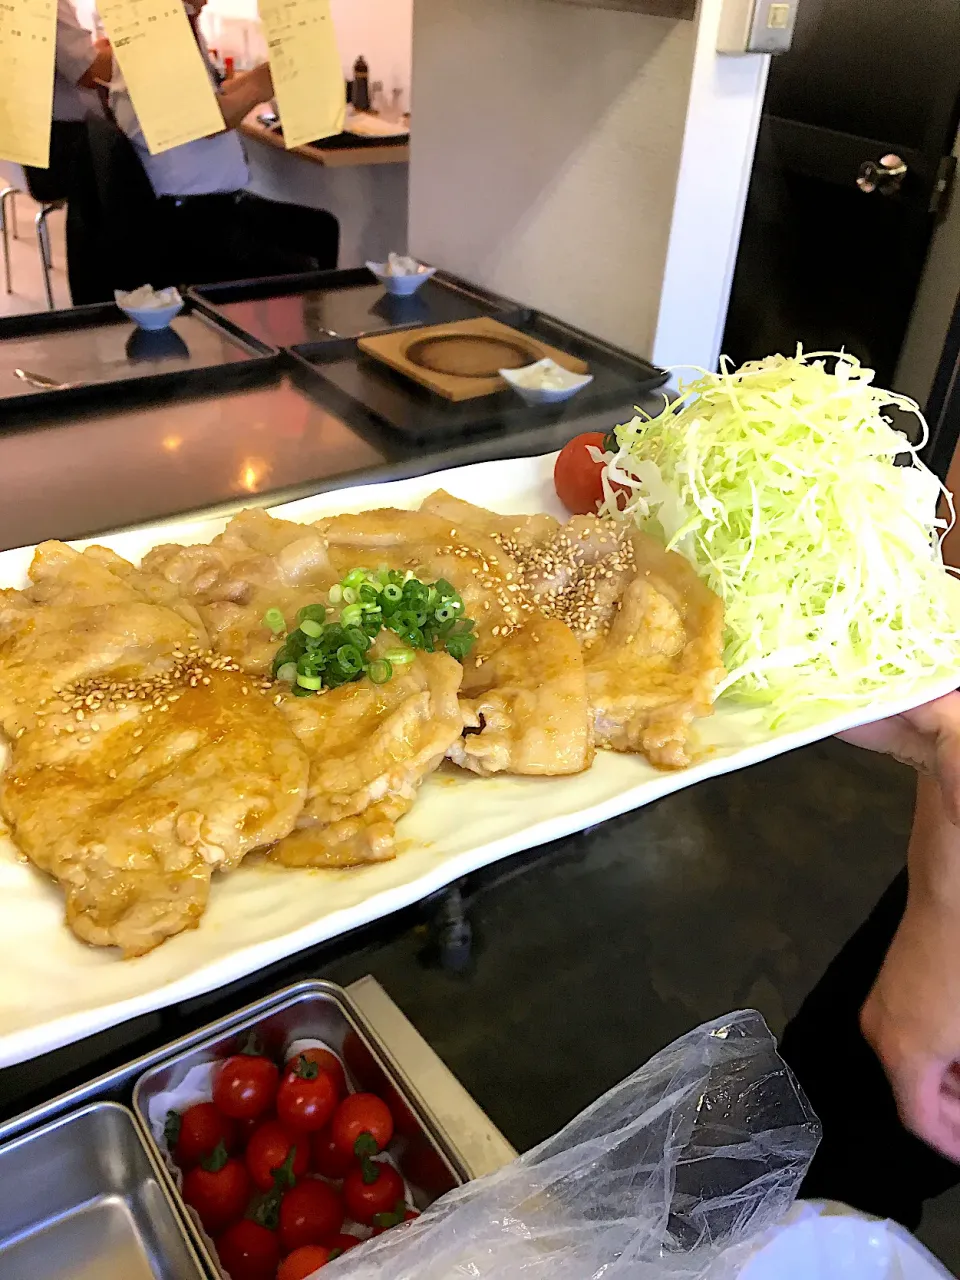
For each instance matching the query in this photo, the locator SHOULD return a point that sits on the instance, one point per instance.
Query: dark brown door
(822, 260)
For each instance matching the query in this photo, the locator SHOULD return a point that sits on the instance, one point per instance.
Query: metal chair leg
(7, 202)
(43, 244)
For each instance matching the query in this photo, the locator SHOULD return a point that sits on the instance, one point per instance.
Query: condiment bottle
(361, 85)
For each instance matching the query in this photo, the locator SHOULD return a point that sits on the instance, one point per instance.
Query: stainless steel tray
(464, 1136)
(311, 1010)
(83, 1199)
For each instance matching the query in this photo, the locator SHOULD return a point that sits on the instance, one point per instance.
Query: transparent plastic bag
(700, 1150)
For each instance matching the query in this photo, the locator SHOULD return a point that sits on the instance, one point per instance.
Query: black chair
(48, 191)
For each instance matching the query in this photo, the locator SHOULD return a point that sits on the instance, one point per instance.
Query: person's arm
(912, 1016)
(100, 69)
(239, 95)
(79, 58)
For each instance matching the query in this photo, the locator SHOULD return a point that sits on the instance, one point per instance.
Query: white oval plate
(56, 990)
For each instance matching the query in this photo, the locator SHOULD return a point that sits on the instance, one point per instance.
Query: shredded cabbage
(779, 482)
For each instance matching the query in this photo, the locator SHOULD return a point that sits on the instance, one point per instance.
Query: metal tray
(104, 360)
(315, 1010)
(467, 1141)
(323, 306)
(83, 1199)
(365, 392)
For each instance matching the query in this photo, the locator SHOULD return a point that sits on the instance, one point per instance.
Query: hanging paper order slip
(164, 70)
(28, 41)
(305, 66)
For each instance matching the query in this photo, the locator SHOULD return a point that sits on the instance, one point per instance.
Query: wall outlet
(757, 26)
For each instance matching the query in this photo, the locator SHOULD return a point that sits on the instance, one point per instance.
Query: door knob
(885, 175)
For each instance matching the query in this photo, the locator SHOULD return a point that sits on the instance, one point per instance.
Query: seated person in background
(210, 227)
(81, 62)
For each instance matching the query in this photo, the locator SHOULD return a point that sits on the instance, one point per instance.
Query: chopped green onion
(311, 628)
(351, 615)
(287, 672)
(354, 578)
(399, 657)
(380, 671)
(445, 613)
(335, 594)
(273, 619)
(350, 658)
(392, 592)
(309, 682)
(358, 638)
(315, 612)
(350, 595)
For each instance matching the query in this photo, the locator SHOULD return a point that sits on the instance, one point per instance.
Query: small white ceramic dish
(545, 382)
(401, 286)
(150, 311)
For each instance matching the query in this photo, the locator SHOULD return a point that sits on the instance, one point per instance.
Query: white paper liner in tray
(197, 1086)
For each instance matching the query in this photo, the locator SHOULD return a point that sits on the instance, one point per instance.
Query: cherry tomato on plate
(197, 1132)
(310, 1213)
(273, 1149)
(245, 1086)
(326, 1061)
(371, 1188)
(248, 1251)
(576, 477)
(362, 1124)
(304, 1262)
(307, 1097)
(218, 1188)
(327, 1157)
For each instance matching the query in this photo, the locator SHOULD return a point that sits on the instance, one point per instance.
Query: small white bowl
(571, 383)
(400, 286)
(151, 318)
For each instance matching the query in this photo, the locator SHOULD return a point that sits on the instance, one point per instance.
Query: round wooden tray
(470, 355)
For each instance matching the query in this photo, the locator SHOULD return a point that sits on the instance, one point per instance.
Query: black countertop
(590, 953)
(108, 469)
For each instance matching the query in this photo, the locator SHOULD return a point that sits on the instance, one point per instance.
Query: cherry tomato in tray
(385, 1221)
(245, 1086)
(328, 1158)
(362, 1124)
(274, 1150)
(248, 1251)
(576, 476)
(310, 1213)
(307, 1097)
(304, 1262)
(218, 1189)
(344, 1241)
(371, 1188)
(326, 1061)
(197, 1132)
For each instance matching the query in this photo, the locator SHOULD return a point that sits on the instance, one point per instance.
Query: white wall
(722, 120)
(547, 148)
(379, 29)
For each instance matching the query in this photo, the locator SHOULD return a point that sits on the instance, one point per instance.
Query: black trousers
(867, 1158)
(206, 239)
(71, 177)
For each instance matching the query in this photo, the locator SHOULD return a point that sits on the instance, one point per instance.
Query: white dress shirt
(205, 167)
(74, 57)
